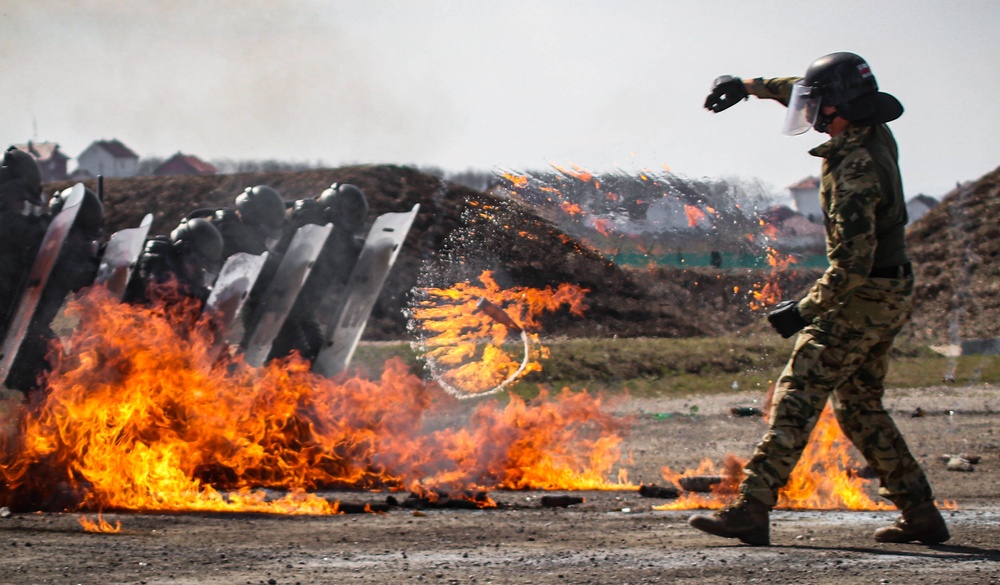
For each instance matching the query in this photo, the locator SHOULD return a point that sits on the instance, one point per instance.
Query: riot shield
(48, 253)
(281, 293)
(235, 280)
(381, 248)
(120, 256)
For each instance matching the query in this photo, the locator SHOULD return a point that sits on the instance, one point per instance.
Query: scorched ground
(613, 537)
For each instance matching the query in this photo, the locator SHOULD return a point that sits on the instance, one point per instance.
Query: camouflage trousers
(843, 357)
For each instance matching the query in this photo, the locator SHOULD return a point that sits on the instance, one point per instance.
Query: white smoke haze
(252, 79)
(468, 85)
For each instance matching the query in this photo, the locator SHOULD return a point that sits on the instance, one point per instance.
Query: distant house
(51, 161)
(185, 164)
(108, 158)
(793, 231)
(805, 195)
(918, 206)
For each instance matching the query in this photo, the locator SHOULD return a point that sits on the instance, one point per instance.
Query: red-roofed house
(51, 162)
(805, 194)
(108, 158)
(185, 164)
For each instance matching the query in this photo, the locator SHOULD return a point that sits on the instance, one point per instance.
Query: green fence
(716, 259)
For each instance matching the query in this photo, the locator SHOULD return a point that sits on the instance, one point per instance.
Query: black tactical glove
(785, 318)
(726, 91)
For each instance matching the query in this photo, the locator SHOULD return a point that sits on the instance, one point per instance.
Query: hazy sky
(517, 84)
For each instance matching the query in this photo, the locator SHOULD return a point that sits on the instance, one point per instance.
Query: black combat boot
(746, 519)
(922, 523)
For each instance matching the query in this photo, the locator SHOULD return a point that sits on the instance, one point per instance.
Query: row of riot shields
(251, 332)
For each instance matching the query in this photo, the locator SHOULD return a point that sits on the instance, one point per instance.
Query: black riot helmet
(89, 220)
(262, 207)
(846, 82)
(20, 177)
(346, 206)
(197, 238)
(307, 211)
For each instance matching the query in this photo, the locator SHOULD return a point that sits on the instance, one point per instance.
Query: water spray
(496, 313)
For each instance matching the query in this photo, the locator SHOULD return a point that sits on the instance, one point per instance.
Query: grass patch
(658, 367)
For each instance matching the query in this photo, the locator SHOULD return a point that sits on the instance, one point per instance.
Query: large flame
(467, 349)
(143, 415)
(825, 478)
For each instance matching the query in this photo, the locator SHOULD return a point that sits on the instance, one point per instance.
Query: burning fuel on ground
(143, 413)
(143, 416)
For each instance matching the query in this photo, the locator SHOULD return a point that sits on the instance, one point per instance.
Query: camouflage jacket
(864, 212)
(776, 88)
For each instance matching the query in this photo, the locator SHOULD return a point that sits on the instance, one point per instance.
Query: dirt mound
(460, 232)
(955, 249)
(611, 537)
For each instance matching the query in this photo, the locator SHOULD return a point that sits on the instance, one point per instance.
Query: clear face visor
(803, 109)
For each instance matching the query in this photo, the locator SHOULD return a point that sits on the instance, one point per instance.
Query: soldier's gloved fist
(786, 319)
(726, 91)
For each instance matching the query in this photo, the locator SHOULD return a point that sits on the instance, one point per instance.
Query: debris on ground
(560, 501)
(652, 490)
(699, 483)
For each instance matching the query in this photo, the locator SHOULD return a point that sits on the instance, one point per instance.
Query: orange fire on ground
(769, 293)
(142, 415)
(467, 349)
(99, 526)
(825, 478)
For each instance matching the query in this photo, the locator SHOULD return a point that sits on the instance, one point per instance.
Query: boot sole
(933, 539)
(711, 528)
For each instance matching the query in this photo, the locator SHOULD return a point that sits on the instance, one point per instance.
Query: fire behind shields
(381, 248)
(803, 109)
(120, 256)
(48, 253)
(283, 290)
(235, 280)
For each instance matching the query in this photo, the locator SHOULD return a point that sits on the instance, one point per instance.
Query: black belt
(899, 271)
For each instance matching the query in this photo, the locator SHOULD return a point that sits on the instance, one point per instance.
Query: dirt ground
(612, 537)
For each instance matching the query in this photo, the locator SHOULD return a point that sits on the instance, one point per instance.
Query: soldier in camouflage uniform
(848, 320)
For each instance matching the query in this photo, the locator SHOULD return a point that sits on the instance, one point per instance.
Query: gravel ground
(612, 537)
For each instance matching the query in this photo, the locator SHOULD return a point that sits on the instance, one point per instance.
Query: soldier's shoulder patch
(856, 165)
